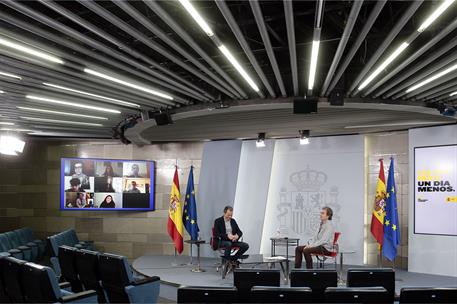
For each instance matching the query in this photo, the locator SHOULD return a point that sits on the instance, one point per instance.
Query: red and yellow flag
(175, 224)
(379, 210)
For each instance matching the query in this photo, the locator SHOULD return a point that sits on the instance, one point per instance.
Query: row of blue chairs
(317, 280)
(21, 244)
(364, 285)
(65, 238)
(109, 275)
(22, 282)
(269, 294)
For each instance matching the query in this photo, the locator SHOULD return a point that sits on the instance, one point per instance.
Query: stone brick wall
(30, 195)
(385, 146)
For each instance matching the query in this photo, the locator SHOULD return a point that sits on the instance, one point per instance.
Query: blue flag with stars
(189, 215)
(391, 224)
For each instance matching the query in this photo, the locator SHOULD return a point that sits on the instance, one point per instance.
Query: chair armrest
(145, 281)
(31, 244)
(64, 285)
(5, 254)
(13, 251)
(81, 295)
(22, 248)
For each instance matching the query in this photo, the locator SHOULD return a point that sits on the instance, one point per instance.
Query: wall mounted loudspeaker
(305, 106)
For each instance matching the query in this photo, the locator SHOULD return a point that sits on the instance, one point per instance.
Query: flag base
(198, 269)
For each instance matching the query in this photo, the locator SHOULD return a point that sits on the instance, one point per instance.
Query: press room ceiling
(132, 56)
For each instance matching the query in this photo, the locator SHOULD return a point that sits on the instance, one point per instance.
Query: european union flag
(189, 215)
(391, 224)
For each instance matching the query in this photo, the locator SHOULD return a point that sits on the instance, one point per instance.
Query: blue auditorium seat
(22, 241)
(16, 244)
(69, 238)
(7, 248)
(11, 277)
(40, 285)
(27, 236)
(3, 296)
(88, 269)
(120, 285)
(67, 262)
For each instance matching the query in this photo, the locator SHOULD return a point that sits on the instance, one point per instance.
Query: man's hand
(230, 237)
(235, 237)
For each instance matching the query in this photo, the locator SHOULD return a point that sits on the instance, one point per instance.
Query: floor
(177, 271)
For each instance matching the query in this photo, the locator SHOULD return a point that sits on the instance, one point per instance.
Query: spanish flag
(175, 225)
(379, 210)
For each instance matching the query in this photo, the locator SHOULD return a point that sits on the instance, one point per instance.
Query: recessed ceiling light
(197, 17)
(383, 65)
(313, 64)
(128, 84)
(238, 67)
(453, 93)
(435, 15)
(62, 113)
(10, 75)
(122, 102)
(16, 130)
(432, 78)
(2, 92)
(395, 124)
(30, 51)
(72, 104)
(62, 121)
(6, 123)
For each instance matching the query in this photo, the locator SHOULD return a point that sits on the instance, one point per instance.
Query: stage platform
(175, 275)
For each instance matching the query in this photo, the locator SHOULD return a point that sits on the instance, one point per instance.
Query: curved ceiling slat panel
(182, 55)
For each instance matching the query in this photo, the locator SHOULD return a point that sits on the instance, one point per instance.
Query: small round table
(197, 243)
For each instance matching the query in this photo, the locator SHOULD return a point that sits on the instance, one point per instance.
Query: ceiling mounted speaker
(336, 97)
(305, 106)
(161, 118)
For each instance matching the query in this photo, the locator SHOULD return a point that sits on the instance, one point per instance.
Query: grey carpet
(173, 275)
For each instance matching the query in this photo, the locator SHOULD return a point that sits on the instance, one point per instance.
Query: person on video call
(135, 171)
(108, 202)
(109, 171)
(322, 243)
(84, 179)
(75, 185)
(133, 189)
(107, 186)
(81, 200)
(227, 231)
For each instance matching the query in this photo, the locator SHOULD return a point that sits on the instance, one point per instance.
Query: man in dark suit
(228, 233)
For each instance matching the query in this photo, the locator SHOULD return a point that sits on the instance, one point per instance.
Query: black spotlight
(260, 143)
(304, 137)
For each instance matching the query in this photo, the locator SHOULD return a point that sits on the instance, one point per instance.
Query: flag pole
(379, 256)
(175, 262)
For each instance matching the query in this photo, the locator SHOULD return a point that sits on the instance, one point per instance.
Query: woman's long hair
(105, 202)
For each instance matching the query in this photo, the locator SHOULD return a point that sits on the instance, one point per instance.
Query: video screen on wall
(106, 184)
(435, 190)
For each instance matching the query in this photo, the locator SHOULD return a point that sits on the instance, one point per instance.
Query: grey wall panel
(217, 185)
(252, 191)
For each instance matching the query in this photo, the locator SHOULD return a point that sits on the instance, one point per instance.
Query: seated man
(227, 231)
(321, 243)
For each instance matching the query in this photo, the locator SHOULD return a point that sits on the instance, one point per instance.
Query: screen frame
(414, 191)
(152, 178)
